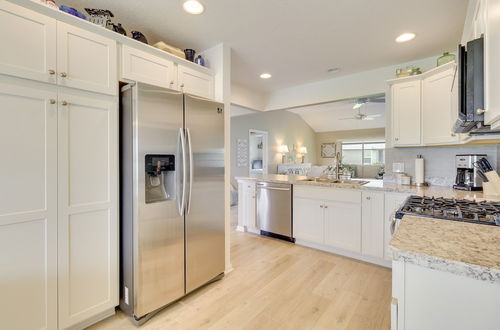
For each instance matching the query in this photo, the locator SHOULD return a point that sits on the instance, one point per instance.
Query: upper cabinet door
(439, 109)
(86, 60)
(195, 82)
(28, 206)
(492, 63)
(144, 67)
(28, 42)
(406, 99)
(87, 205)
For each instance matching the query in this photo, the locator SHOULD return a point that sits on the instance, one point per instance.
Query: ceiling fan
(360, 103)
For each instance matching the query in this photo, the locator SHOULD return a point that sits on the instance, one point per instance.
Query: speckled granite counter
(467, 249)
(436, 191)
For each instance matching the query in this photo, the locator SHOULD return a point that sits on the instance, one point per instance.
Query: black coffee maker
(468, 177)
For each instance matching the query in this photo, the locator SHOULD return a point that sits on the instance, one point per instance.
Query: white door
(86, 60)
(492, 63)
(28, 43)
(144, 67)
(195, 82)
(88, 223)
(406, 113)
(439, 109)
(393, 201)
(372, 224)
(28, 206)
(308, 220)
(343, 225)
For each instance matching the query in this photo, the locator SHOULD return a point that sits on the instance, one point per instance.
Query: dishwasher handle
(273, 188)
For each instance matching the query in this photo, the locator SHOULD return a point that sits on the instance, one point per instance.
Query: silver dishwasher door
(274, 209)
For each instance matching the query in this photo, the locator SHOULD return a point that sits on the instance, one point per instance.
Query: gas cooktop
(487, 213)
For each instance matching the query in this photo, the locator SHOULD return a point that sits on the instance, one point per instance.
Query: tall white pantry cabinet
(58, 173)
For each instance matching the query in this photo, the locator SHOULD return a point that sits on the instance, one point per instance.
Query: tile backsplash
(439, 161)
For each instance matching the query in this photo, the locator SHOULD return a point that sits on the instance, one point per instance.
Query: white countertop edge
(450, 266)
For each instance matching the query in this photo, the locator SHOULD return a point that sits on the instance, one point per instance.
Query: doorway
(257, 152)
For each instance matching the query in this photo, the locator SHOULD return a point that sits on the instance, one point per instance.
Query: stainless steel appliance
(274, 210)
(172, 196)
(470, 80)
(468, 176)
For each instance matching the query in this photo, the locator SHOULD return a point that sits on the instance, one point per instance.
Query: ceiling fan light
(357, 105)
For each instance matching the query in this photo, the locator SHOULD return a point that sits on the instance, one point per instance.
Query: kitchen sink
(326, 180)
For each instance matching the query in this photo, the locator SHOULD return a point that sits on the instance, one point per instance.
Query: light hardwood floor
(279, 285)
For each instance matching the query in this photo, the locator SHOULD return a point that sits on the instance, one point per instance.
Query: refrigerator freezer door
(204, 122)
(158, 227)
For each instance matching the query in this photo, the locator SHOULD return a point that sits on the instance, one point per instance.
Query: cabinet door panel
(28, 206)
(492, 63)
(33, 54)
(439, 109)
(195, 82)
(141, 66)
(372, 232)
(406, 109)
(343, 225)
(308, 224)
(86, 60)
(88, 224)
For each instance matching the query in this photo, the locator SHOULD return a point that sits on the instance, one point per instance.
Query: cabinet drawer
(328, 193)
(141, 66)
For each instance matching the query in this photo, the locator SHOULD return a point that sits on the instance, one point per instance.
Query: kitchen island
(446, 275)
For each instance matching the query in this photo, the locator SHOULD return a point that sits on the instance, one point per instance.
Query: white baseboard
(349, 254)
(240, 228)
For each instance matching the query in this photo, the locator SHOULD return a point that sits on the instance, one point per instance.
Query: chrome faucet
(337, 165)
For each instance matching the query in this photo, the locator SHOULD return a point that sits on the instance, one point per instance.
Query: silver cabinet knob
(326, 206)
(480, 111)
(52, 101)
(368, 198)
(397, 139)
(63, 74)
(52, 72)
(182, 85)
(453, 134)
(172, 82)
(64, 103)
(321, 206)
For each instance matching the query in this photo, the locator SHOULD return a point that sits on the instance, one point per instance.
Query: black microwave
(470, 73)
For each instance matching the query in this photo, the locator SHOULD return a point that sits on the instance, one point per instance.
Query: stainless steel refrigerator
(172, 196)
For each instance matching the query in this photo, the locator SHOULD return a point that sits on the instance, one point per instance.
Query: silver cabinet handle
(368, 198)
(52, 72)
(453, 134)
(182, 143)
(321, 206)
(393, 226)
(63, 74)
(52, 101)
(326, 206)
(274, 188)
(397, 139)
(480, 111)
(190, 169)
(65, 103)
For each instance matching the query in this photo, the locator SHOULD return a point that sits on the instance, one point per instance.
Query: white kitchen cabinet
(28, 42)
(432, 299)
(343, 225)
(247, 206)
(28, 205)
(492, 62)
(392, 202)
(87, 203)
(308, 220)
(86, 60)
(406, 113)
(141, 66)
(372, 223)
(439, 109)
(195, 82)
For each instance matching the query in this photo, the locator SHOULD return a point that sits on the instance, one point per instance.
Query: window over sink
(364, 159)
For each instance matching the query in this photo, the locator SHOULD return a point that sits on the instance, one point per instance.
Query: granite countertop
(467, 249)
(380, 185)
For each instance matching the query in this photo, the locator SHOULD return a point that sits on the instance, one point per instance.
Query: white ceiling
(294, 40)
(326, 117)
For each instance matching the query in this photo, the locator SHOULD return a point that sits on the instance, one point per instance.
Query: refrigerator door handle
(181, 141)
(190, 169)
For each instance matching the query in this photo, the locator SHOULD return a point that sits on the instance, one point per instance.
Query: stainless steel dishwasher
(274, 210)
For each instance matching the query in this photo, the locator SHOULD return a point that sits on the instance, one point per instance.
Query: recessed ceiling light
(193, 7)
(406, 37)
(333, 70)
(265, 75)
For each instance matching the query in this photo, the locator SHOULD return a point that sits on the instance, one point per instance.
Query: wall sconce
(283, 149)
(303, 152)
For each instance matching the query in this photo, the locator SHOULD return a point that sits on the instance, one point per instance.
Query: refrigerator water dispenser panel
(160, 178)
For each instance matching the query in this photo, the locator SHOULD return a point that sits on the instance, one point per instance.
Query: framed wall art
(328, 150)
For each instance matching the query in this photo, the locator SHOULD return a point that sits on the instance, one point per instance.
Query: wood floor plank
(278, 285)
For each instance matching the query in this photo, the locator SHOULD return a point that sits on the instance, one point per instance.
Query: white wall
(344, 87)
(247, 98)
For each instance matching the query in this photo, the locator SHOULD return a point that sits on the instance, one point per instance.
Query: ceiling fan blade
(346, 118)
(376, 101)
(374, 116)
(368, 118)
